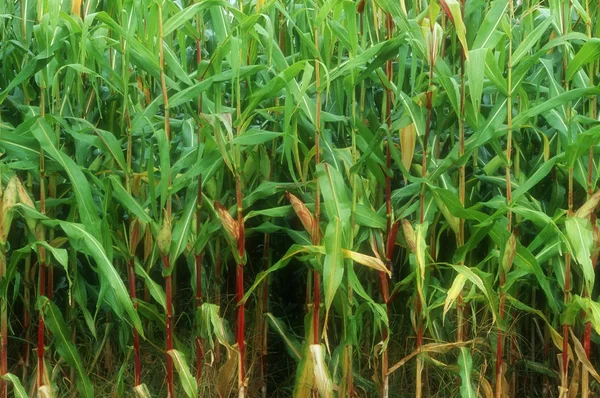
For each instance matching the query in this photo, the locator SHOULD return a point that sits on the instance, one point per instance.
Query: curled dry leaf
(408, 138)
(306, 217)
(45, 392)
(9, 199)
(141, 391)
(452, 8)
(229, 223)
(26, 200)
(226, 375)
(582, 357)
(433, 35)
(147, 243)
(136, 231)
(322, 377)
(163, 240)
(588, 207)
(368, 261)
(440, 348)
(453, 292)
(409, 235)
(509, 252)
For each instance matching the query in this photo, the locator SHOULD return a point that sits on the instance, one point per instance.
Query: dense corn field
(301, 198)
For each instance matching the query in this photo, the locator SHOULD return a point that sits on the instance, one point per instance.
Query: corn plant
(403, 194)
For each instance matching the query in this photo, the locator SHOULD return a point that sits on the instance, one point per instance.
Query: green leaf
(535, 178)
(592, 309)
(291, 343)
(43, 132)
(465, 366)
(280, 211)
(580, 235)
(64, 346)
(476, 280)
(211, 324)
(475, 73)
(181, 232)
(275, 84)
(256, 136)
(333, 266)
(454, 12)
(76, 232)
(589, 52)
(30, 69)
(292, 251)
(155, 290)
(335, 194)
(525, 260)
(185, 376)
(19, 391)
(552, 103)
(132, 205)
(530, 40)
(59, 255)
(490, 24)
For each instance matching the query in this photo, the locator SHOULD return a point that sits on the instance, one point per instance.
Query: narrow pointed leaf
(185, 376)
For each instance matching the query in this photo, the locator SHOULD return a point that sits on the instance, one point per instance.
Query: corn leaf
(64, 346)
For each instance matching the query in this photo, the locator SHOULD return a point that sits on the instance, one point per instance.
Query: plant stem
(198, 256)
(136, 337)
(590, 190)
(41, 250)
(316, 236)
(218, 291)
(4, 324)
(27, 298)
(241, 249)
(263, 324)
(389, 215)
(131, 261)
(462, 180)
(240, 291)
(566, 11)
(166, 258)
(500, 336)
(198, 265)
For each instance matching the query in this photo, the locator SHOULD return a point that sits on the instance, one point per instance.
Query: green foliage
(450, 215)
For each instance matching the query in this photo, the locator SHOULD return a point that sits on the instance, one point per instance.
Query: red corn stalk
(500, 337)
(136, 337)
(567, 289)
(198, 257)
(308, 220)
(235, 232)
(240, 289)
(169, 326)
(462, 176)
(3, 320)
(218, 291)
(198, 264)
(51, 194)
(134, 238)
(592, 109)
(389, 215)
(163, 240)
(41, 255)
(263, 323)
